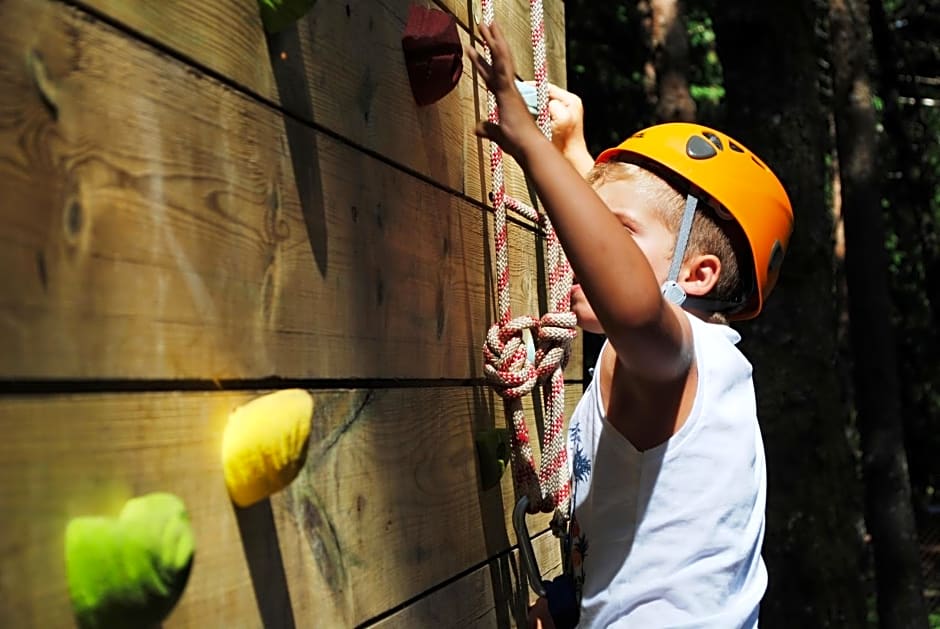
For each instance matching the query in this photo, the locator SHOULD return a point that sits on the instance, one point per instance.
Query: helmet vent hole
(776, 257)
(714, 139)
(735, 147)
(638, 134)
(758, 162)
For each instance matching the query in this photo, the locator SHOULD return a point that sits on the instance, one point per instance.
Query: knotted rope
(507, 366)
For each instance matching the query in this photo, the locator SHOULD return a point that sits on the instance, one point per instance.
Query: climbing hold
(276, 15)
(529, 345)
(492, 454)
(129, 571)
(265, 444)
(433, 53)
(529, 95)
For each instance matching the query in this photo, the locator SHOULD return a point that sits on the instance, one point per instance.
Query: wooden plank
(177, 229)
(227, 36)
(514, 17)
(496, 595)
(387, 506)
(343, 68)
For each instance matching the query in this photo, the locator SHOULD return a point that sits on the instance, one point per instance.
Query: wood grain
(388, 505)
(496, 595)
(342, 67)
(258, 220)
(179, 229)
(227, 37)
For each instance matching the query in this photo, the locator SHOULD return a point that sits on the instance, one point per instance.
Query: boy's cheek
(594, 327)
(587, 320)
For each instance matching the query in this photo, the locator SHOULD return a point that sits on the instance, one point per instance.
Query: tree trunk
(768, 51)
(889, 515)
(666, 71)
(916, 283)
(605, 51)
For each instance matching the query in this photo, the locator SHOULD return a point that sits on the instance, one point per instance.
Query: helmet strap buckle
(673, 292)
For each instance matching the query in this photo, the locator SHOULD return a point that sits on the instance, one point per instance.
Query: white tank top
(671, 537)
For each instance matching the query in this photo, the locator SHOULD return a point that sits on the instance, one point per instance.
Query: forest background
(842, 99)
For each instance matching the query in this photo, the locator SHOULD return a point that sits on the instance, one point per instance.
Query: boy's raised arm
(648, 333)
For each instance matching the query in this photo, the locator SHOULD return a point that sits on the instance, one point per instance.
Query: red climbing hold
(433, 53)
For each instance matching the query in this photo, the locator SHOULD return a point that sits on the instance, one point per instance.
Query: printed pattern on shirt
(578, 543)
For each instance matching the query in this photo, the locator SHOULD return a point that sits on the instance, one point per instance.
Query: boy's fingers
(485, 34)
(502, 65)
(484, 69)
(557, 111)
(496, 31)
(562, 95)
(493, 36)
(489, 130)
(554, 92)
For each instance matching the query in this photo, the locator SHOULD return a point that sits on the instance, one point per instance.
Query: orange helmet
(717, 170)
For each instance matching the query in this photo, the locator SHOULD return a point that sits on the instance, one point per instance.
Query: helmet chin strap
(670, 288)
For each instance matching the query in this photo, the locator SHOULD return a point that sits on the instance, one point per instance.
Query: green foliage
(279, 14)
(607, 48)
(871, 611)
(606, 51)
(711, 94)
(705, 75)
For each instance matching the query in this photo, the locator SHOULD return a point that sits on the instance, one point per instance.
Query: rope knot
(506, 364)
(556, 331)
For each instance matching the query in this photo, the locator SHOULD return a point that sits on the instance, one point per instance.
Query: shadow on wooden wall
(287, 65)
(263, 554)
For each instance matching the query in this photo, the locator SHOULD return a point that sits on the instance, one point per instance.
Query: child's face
(643, 221)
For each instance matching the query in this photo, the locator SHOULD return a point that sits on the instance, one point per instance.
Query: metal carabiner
(560, 592)
(525, 546)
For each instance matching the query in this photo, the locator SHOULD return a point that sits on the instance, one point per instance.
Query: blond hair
(707, 236)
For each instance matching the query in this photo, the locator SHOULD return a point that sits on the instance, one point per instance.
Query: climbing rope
(507, 366)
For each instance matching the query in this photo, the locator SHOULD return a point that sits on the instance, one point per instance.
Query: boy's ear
(700, 274)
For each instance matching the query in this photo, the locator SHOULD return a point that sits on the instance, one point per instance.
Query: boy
(682, 228)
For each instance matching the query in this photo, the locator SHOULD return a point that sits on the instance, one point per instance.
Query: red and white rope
(507, 367)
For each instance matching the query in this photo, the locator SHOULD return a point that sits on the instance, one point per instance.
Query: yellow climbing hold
(265, 444)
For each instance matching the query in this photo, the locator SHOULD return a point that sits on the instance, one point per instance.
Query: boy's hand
(516, 129)
(539, 616)
(567, 114)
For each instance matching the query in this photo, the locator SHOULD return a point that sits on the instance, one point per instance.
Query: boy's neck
(708, 317)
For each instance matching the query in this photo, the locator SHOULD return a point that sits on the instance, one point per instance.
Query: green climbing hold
(492, 455)
(279, 14)
(131, 570)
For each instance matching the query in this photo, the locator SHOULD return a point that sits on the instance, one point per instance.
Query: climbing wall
(192, 214)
